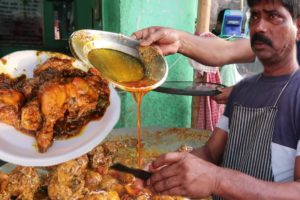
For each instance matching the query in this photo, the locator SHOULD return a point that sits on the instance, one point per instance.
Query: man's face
(272, 31)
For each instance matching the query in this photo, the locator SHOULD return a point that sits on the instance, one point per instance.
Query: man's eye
(253, 18)
(274, 16)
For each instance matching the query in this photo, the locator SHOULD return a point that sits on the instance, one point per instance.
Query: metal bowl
(83, 41)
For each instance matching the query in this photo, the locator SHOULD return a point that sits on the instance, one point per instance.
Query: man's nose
(261, 26)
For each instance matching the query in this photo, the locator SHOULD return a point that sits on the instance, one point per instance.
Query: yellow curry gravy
(127, 70)
(117, 66)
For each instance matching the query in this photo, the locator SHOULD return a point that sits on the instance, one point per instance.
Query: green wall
(127, 16)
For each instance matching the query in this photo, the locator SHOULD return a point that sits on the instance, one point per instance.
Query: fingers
(165, 40)
(154, 35)
(166, 184)
(148, 36)
(169, 49)
(167, 159)
(166, 172)
(147, 166)
(175, 191)
(138, 183)
(159, 50)
(223, 97)
(141, 34)
(220, 99)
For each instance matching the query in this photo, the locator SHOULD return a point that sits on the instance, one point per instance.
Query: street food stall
(62, 126)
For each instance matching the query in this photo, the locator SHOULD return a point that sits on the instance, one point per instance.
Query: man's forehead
(266, 3)
(254, 2)
(293, 6)
(269, 6)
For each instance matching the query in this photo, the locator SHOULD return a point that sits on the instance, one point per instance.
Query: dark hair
(217, 29)
(221, 15)
(291, 5)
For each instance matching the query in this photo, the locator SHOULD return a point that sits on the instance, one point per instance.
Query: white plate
(20, 149)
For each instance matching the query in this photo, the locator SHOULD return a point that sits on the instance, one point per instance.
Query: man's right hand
(165, 40)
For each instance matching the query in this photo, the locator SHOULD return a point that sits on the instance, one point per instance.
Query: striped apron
(248, 147)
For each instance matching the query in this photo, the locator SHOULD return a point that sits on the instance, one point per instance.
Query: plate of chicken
(53, 108)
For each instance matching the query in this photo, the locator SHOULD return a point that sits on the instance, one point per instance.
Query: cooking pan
(155, 141)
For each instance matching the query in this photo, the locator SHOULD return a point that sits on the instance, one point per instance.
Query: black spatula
(141, 174)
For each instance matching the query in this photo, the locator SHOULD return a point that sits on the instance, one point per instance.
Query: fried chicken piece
(68, 104)
(88, 99)
(31, 118)
(53, 100)
(185, 148)
(10, 97)
(53, 68)
(67, 181)
(92, 180)
(7, 82)
(83, 98)
(23, 182)
(102, 195)
(9, 116)
(58, 67)
(30, 87)
(99, 160)
(4, 195)
(3, 181)
(10, 104)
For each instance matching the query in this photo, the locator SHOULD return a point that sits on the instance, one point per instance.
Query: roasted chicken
(56, 103)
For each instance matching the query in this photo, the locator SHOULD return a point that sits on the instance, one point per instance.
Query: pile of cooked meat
(85, 178)
(56, 103)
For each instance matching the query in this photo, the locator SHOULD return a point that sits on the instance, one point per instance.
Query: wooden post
(242, 5)
(203, 21)
(203, 17)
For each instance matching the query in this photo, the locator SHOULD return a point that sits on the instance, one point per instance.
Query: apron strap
(287, 83)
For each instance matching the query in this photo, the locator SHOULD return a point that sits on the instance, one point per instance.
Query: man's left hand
(183, 174)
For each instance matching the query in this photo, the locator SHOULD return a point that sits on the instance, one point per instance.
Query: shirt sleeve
(223, 123)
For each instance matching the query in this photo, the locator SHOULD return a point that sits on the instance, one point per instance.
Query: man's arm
(209, 51)
(215, 51)
(187, 175)
(213, 150)
(235, 185)
(192, 176)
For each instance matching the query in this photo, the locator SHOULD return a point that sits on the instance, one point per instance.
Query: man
(238, 51)
(258, 141)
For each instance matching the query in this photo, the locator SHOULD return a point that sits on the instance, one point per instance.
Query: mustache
(261, 38)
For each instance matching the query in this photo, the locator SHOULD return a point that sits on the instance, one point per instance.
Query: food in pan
(85, 178)
(56, 103)
(22, 183)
